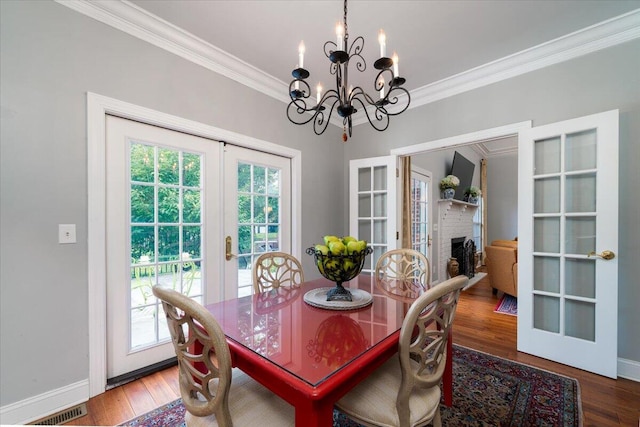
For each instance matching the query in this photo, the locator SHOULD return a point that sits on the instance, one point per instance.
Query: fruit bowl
(339, 268)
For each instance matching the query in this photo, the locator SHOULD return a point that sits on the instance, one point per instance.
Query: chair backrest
(275, 269)
(204, 360)
(403, 273)
(423, 340)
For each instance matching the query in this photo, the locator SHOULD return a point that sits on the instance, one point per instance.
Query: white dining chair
(405, 390)
(213, 393)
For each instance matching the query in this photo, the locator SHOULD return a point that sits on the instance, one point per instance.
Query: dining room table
(309, 355)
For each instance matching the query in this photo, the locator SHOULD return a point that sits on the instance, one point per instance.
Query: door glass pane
(580, 320)
(380, 205)
(364, 179)
(547, 156)
(580, 151)
(142, 163)
(546, 235)
(142, 204)
(191, 170)
(546, 195)
(163, 251)
(380, 178)
(364, 230)
(191, 207)
(259, 197)
(546, 313)
(580, 235)
(168, 166)
(580, 277)
(380, 231)
(364, 205)
(546, 274)
(168, 205)
(580, 193)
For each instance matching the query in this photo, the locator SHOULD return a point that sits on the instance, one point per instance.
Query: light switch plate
(66, 233)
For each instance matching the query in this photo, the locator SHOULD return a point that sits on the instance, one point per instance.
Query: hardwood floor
(605, 402)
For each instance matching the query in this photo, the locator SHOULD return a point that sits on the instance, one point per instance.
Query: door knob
(228, 255)
(606, 255)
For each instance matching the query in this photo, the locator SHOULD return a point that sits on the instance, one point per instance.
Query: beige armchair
(502, 266)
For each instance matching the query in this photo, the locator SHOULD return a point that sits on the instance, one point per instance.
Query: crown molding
(139, 23)
(135, 21)
(600, 36)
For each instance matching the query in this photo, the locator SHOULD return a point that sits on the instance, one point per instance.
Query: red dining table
(312, 356)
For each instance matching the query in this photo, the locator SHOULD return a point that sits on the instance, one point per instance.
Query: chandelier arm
(394, 99)
(320, 123)
(380, 122)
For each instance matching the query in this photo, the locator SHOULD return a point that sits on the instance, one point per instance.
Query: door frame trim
(98, 107)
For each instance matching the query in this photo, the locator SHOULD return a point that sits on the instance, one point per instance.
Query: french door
(421, 211)
(568, 242)
(257, 200)
(165, 218)
(373, 207)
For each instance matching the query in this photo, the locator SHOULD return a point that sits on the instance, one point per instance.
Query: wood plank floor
(605, 402)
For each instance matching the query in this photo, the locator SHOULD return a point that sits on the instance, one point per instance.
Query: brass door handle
(606, 255)
(227, 244)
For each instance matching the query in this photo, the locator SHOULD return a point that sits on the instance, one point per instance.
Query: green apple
(328, 239)
(322, 249)
(353, 247)
(337, 247)
(348, 239)
(348, 265)
(362, 245)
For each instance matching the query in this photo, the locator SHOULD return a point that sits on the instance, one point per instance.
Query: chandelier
(344, 98)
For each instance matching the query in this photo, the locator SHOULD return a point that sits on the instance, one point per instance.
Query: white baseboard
(629, 369)
(45, 404)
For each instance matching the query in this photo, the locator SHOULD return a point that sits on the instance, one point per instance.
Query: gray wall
(594, 83)
(51, 56)
(502, 198)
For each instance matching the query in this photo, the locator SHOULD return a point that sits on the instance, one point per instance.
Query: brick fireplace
(455, 221)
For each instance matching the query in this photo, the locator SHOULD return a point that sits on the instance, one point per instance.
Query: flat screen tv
(462, 168)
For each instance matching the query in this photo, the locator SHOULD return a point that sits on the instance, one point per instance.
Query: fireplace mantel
(455, 219)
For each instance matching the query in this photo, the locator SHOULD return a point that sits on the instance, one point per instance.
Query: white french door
(257, 199)
(421, 211)
(373, 207)
(162, 192)
(568, 242)
(166, 215)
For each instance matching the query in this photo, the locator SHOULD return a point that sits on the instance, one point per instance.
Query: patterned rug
(507, 305)
(487, 391)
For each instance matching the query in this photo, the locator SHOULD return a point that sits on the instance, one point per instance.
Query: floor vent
(63, 416)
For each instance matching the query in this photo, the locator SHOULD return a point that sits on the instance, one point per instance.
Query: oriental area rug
(507, 305)
(487, 391)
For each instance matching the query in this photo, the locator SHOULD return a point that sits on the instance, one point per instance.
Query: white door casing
(568, 208)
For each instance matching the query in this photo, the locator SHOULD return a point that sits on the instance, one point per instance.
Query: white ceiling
(434, 39)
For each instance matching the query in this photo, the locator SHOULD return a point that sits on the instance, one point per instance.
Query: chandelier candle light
(345, 98)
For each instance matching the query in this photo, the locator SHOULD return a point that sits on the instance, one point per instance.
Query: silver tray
(318, 298)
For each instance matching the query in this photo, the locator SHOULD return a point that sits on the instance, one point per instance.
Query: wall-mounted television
(463, 168)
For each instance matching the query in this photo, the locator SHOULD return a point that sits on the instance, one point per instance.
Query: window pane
(191, 170)
(259, 180)
(191, 206)
(273, 182)
(580, 151)
(168, 243)
(244, 177)
(142, 161)
(546, 235)
(191, 240)
(547, 156)
(142, 206)
(580, 236)
(168, 166)
(580, 193)
(143, 244)
(168, 207)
